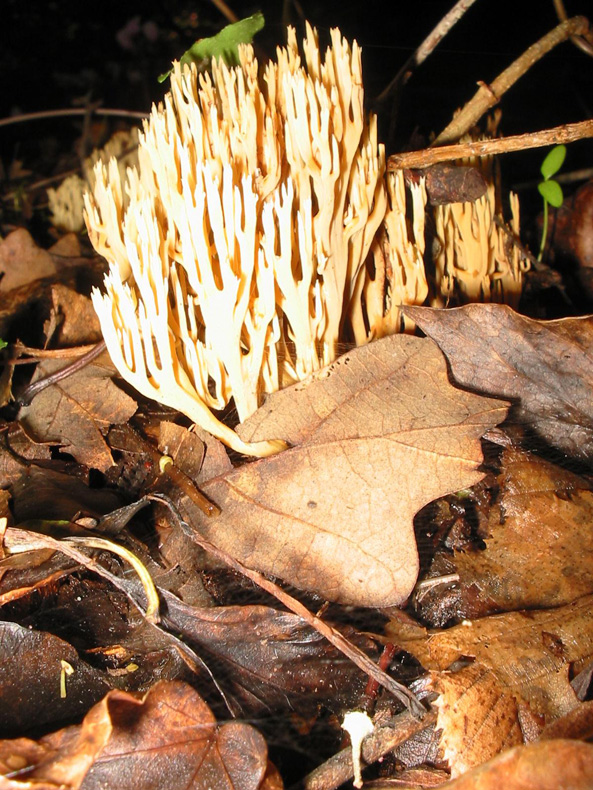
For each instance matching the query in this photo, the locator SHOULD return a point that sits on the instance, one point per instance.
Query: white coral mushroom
(234, 265)
(66, 202)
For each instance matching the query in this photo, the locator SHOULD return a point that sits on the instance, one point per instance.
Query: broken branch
(566, 133)
(488, 96)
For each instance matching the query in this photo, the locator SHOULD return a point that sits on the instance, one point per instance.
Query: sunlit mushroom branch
(397, 274)
(238, 261)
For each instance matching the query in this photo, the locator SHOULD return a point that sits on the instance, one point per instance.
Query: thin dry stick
(338, 769)
(224, 9)
(45, 182)
(340, 642)
(35, 354)
(429, 44)
(489, 95)
(167, 466)
(585, 44)
(567, 133)
(40, 116)
(30, 392)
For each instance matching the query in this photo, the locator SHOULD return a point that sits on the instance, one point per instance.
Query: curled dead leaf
(546, 367)
(74, 412)
(167, 739)
(548, 765)
(530, 652)
(538, 546)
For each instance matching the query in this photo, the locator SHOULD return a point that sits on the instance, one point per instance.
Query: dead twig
(566, 133)
(35, 354)
(167, 466)
(488, 95)
(585, 43)
(74, 111)
(225, 10)
(429, 44)
(27, 395)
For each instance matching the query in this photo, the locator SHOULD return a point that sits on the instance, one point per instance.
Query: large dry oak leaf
(374, 437)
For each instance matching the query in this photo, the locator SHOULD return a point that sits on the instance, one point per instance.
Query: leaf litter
(373, 438)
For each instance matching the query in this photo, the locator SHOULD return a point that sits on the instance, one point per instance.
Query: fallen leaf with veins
(530, 652)
(374, 437)
(168, 739)
(72, 320)
(30, 692)
(477, 716)
(577, 724)
(75, 411)
(539, 546)
(548, 765)
(271, 659)
(546, 366)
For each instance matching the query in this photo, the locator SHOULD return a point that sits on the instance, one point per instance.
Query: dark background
(64, 53)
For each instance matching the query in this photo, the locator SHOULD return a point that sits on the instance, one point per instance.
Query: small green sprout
(549, 189)
(3, 344)
(223, 45)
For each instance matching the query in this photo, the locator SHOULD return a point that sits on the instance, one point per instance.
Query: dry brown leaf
(169, 739)
(549, 765)
(478, 718)
(75, 411)
(184, 447)
(45, 494)
(66, 247)
(11, 467)
(573, 228)
(23, 446)
(578, 723)
(73, 321)
(374, 436)
(539, 546)
(16, 755)
(530, 652)
(22, 261)
(539, 552)
(30, 680)
(546, 366)
(273, 658)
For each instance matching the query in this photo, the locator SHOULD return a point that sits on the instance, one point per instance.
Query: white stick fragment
(358, 725)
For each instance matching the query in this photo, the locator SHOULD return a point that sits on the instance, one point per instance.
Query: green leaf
(552, 192)
(3, 344)
(224, 45)
(553, 162)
